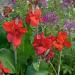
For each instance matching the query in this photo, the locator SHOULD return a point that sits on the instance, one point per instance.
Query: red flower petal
(10, 37)
(67, 44)
(47, 43)
(37, 12)
(39, 36)
(33, 18)
(58, 46)
(34, 22)
(1, 65)
(5, 70)
(36, 43)
(40, 50)
(27, 19)
(22, 30)
(8, 27)
(20, 23)
(38, 40)
(62, 36)
(16, 41)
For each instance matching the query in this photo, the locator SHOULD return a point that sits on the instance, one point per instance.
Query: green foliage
(7, 58)
(25, 53)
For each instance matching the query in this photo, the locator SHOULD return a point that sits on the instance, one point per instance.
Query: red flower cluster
(62, 41)
(33, 17)
(15, 31)
(43, 45)
(3, 69)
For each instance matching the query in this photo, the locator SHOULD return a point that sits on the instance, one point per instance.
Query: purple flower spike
(69, 24)
(67, 3)
(51, 18)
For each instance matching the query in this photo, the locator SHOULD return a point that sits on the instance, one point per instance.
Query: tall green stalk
(15, 54)
(53, 68)
(59, 63)
(15, 57)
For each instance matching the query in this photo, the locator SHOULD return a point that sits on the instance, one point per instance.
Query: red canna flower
(62, 36)
(3, 69)
(15, 31)
(38, 44)
(67, 44)
(33, 17)
(62, 41)
(40, 50)
(43, 46)
(59, 46)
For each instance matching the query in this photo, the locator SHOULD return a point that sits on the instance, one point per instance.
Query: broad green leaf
(7, 58)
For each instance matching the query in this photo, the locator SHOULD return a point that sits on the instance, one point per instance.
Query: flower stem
(53, 68)
(15, 54)
(15, 57)
(59, 63)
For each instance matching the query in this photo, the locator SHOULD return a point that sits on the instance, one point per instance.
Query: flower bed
(37, 37)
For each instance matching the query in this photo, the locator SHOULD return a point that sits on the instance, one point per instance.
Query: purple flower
(45, 19)
(50, 17)
(67, 3)
(69, 24)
